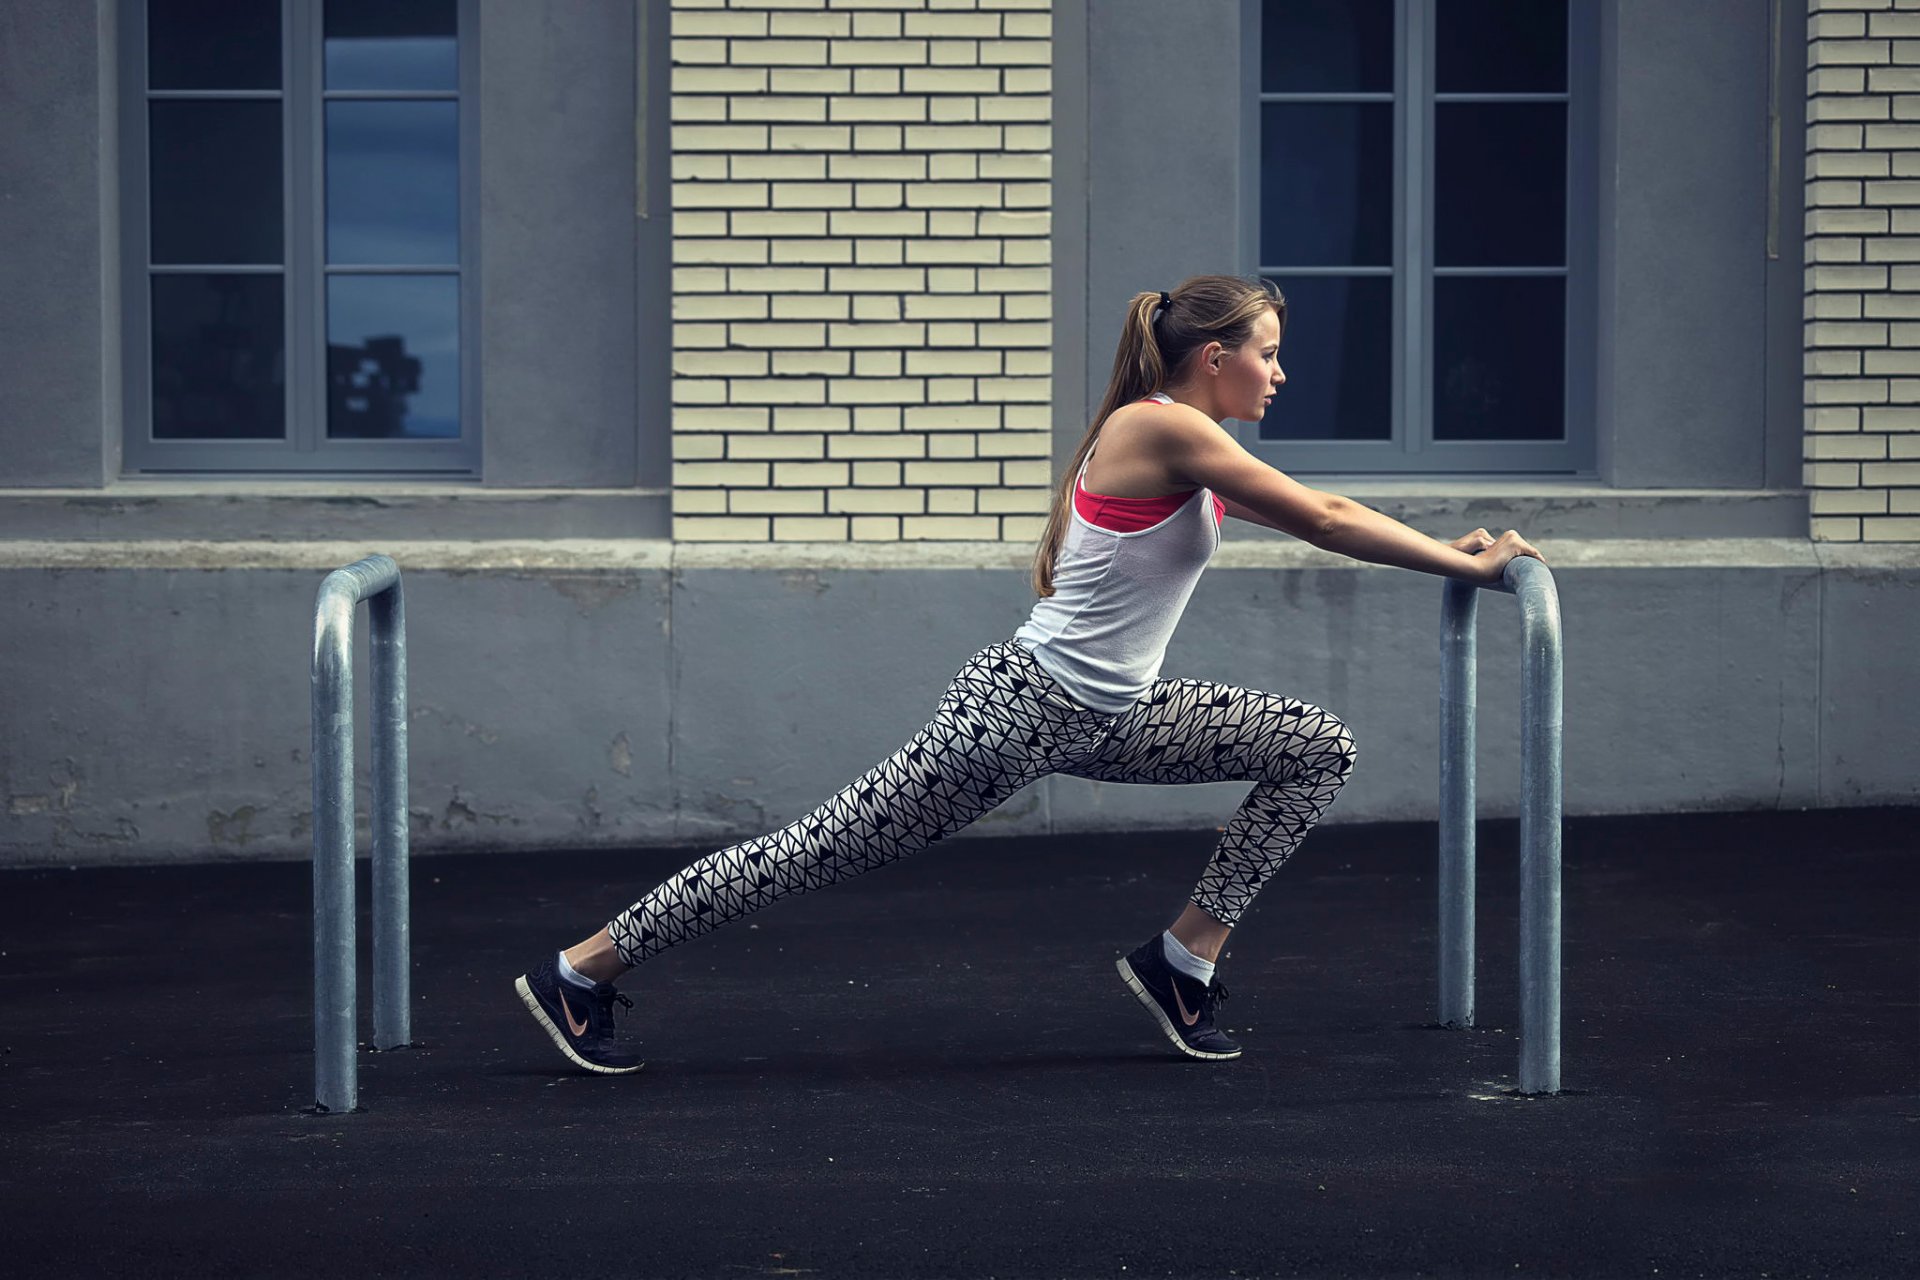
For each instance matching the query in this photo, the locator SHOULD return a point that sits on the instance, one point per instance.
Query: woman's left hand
(1473, 543)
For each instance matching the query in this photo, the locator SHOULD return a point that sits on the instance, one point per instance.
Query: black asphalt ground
(933, 1070)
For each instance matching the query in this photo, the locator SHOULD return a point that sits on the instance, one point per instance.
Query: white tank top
(1117, 598)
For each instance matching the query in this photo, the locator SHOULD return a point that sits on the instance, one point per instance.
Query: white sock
(1184, 960)
(572, 974)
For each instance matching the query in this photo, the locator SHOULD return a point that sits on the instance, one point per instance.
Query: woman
(1076, 689)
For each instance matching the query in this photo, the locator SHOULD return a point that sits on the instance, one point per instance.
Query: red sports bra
(1130, 515)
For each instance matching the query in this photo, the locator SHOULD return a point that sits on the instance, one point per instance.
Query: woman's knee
(1320, 746)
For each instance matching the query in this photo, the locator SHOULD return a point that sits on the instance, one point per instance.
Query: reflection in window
(1335, 348)
(393, 183)
(393, 356)
(391, 44)
(1499, 361)
(219, 364)
(1326, 183)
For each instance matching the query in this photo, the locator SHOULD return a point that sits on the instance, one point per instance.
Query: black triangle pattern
(1297, 755)
(1002, 723)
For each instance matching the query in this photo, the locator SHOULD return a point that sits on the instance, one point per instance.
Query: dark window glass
(391, 44)
(1500, 181)
(393, 356)
(393, 183)
(1326, 184)
(213, 44)
(1337, 353)
(215, 181)
(219, 357)
(1500, 46)
(1326, 46)
(1499, 357)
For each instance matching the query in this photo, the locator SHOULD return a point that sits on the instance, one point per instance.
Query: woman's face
(1248, 377)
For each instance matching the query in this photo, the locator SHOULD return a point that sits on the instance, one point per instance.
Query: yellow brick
(803, 474)
(1038, 472)
(889, 501)
(785, 53)
(880, 26)
(719, 529)
(865, 109)
(718, 23)
(947, 307)
(874, 308)
(876, 529)
(877, 417)
(699, 280)
(879, 253)
(811, 110)
(1015, 444)
(691, 446)
(950, 502)
(809, 80)
(699, 391)
(699, 166)
(823, 253)
(1017, 501)
(1016, 280)
(954, 111)
(876, 391)
(953, 472)
(1016, 335)
(882, 166)
(719, 473)
(951, 279)
(699, 222)
(766, 502)
(1903, 418)
(1037, 363)
(1830, 475)
(877, 364)
(953, 222)
(811, 137)
(718, 80)
(876, 137)
(812, 24)
(975, 25)
(951, 80)
(812, 195)
(1027, 195)
(871, 53)
(1029, 79)
(879, 80)
(694, 502)
(1022, 528)
(687, 109)
(1890, 529)
(1039, 137)
(1904, 473)
(969, 251)
(783, 334)
(877, 195)
(809, 529)
(950, 528)
(723, 252)
(776, 445)
(721, 306)
(728, 419)
(699, 335)
(1023, 108)
(955, 195)
(776, 280)
(823, 418)
(1847, 502)
(1029, 25)
(951, 445)
(889, 223)
(876, 473)
(720, 364)
(877, 446)
(876, 335)
(830, 363)
(953, 362)
(778, 391)
(1850, 445)
(719, 137)
(787, 222)
(954, 53)
(953, 417)
(1835, 529)
(811, 308)
(685, 52)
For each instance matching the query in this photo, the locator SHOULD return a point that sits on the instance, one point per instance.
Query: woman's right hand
(1490, 565)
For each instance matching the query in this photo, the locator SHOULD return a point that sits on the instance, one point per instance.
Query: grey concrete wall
(557, 244)
(585, 693)
(1683, 374)
(58, 293)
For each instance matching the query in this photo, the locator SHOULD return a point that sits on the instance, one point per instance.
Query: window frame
(305, 451)
(1410, 448)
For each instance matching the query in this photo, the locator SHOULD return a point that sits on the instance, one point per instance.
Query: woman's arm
(1197, 451)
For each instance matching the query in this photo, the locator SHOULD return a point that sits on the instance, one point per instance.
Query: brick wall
(862, 303)
(1862, 467)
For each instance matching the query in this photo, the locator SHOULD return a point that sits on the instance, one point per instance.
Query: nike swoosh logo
(580, 1028)
(1188, 1018)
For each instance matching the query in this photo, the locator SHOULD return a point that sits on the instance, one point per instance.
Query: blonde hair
(1204, 309)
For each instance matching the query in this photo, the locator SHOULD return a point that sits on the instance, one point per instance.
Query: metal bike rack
(1529, 579)
(376, 580)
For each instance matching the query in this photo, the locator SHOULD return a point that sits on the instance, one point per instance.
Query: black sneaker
(580, 1021)
(1182, 1005)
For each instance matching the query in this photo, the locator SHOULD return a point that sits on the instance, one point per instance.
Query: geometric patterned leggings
(1002, 723)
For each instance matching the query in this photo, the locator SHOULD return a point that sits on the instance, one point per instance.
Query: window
(1425, 202)
(298, 221)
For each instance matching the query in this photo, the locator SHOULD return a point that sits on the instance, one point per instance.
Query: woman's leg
(1297, 755)
(996, 729)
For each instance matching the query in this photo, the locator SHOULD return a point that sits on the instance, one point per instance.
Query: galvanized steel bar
(1458, 624)
(1540, 813)
(375, 579)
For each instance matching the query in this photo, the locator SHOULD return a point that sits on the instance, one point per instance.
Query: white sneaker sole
(1139, 989)
(559, 1038)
